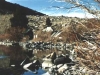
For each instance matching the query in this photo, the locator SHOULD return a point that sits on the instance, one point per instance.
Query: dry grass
(5, 22)
(86, 58)
(43, 36)
(13, 34)
(89, 58)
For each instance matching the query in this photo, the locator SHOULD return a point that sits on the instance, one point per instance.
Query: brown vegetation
(89, 59)
(69, 35)
(13, 34)
(93, 23)
(42, 36)
(15, 52)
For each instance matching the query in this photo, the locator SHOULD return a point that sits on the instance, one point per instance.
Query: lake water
(40, 72)
(16, 55)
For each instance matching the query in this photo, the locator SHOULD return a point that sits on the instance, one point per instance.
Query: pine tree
(19, 18)
(48, 22)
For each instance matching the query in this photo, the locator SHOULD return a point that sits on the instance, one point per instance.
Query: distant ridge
(9, 8)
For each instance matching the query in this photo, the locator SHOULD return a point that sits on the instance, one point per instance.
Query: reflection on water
(40, 72)
(4, 61)
(16, 55)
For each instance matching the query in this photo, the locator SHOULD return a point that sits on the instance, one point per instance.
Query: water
(3, 56)
(40, 72)
(16, 55)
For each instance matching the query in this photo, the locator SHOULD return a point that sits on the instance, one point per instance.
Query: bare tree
(85, 5)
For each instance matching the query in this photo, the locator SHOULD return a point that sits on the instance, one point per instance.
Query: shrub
(15, 33)
(19, 18)
(48, 22)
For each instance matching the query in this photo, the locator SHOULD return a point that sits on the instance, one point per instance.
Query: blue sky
(48, 7)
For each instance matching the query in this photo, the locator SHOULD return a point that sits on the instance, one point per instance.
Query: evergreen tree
(19, 18)
(48, 22)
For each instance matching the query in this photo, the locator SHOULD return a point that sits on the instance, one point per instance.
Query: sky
(50, 7)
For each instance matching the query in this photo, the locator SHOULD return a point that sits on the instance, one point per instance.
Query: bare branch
(84, 7)
(65, 7)
(98, 1)
(94, 12)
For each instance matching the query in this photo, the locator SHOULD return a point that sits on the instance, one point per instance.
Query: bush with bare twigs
(13, 33)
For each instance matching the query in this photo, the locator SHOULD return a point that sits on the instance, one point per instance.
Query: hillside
(37, 22)
(9, 8)
(7, 11)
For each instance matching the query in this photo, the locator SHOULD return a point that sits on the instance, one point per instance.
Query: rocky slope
(9, 8)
